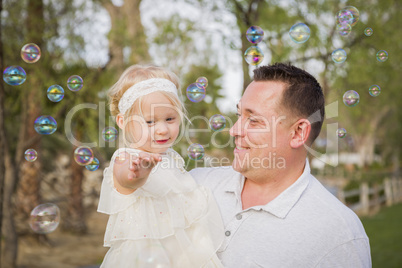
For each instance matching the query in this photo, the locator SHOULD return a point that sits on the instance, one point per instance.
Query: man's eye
(238, 115)
(252, 120)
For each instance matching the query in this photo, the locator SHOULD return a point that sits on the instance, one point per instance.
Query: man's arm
(353, 254)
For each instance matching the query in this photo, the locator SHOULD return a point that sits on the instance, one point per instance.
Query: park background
(98, 39)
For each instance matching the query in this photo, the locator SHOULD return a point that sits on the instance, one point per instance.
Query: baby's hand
(141, 164)
(131, 171)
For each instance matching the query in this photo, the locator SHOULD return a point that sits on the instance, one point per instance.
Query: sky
(229, 60)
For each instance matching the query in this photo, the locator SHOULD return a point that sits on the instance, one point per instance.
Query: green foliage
(385, 235)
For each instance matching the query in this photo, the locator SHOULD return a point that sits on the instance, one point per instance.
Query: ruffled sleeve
(110, 200)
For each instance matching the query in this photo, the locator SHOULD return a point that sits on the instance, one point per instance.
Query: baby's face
(159, 127)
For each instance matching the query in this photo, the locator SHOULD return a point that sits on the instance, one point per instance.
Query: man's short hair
(303, 96)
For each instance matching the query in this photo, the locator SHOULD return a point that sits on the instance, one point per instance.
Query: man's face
(262, 131)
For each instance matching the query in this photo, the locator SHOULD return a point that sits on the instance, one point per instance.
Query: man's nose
(237, 129)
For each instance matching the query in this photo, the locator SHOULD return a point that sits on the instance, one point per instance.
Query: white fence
(371, 199)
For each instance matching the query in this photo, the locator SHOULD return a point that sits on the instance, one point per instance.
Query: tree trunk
(28, 191)
(75, 220)
(9, 232)
(136, 35)
(126, 32)
(245, 19)
(366, 144)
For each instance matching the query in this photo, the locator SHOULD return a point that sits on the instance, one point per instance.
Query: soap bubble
(55, 93)
(202, 82)
(344, 29)
(45, 125)
(30, 53)
(83, 155)
(351, 98)
(153, 256)
(253, 55)
(345, 16)
(195, 151)
(45, 218)
(14, 75)
(339, 55)
(254, 34)
(341, 133)
(109, 134)
(75, 83)
(368, 31)
(375, 90)
(31, 155)
(94, 165)
(194, 93)
(217, 122)
(382, 55)
(299, 33)
(356, 14)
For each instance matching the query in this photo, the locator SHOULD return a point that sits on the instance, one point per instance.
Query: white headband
(144, 88)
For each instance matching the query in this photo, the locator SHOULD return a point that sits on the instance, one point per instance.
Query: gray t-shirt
(305, 226)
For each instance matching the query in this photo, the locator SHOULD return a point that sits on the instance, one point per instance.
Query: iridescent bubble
(30, 53)
(375, 90)
(368, 31)
(75, 83)
(217, 122)
(341, 133)
(83, 155)
(382, 55)
(109, 134)
(253, 55)
(202, 82)
(194, 93)
(299, 33)
(31, 155)
(45, 125)
(344, 29)
(55, 93)
(44, 218)
(195, 151)
(254, 34)
(339, 55)
(344, 16)
(153, 256)
(356, 14)
(14, 75)
(94, 165)
(351, 98)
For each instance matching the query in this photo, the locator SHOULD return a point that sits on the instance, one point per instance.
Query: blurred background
(98, 39)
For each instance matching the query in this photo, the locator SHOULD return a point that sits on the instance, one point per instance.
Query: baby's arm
(131, 171)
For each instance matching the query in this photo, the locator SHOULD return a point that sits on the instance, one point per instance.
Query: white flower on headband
(144, 88)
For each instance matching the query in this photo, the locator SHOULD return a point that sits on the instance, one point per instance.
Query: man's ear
(120, 120)
(300, 133)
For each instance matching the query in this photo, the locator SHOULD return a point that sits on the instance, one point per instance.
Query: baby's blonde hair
(135, 74)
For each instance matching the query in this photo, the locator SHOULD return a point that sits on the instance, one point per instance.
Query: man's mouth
(239, 149)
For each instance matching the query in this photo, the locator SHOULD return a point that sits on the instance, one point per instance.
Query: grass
(385, 233)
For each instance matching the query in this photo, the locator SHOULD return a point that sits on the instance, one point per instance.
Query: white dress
(168, 222)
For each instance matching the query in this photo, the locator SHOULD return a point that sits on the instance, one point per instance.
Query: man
(276, 214)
